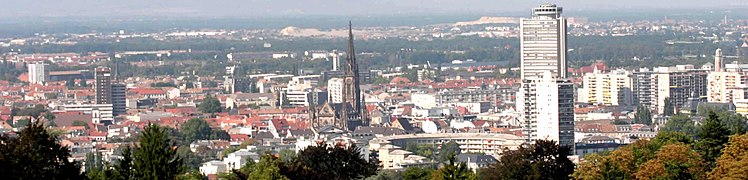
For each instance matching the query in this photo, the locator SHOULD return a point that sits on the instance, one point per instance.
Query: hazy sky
(262, 8)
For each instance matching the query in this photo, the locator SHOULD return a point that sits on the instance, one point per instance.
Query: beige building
(721, 84)
(613, 88)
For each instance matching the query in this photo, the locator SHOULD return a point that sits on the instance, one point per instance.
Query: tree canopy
(544, 159)
(330, 162)
(733, 164)
(210, 105)
(156, 157)
(35, 154)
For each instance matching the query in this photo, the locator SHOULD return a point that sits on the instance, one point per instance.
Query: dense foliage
(35, 154)
(543, 159)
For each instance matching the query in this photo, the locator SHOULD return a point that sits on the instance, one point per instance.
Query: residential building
(613, 88)
(37, 73)
(100, 113)
(681, 84)
(543, 42)
(547, 109)
(335, 90)
(721, 83)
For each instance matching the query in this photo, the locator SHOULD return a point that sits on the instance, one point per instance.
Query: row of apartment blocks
(681, 84)
(684, 85)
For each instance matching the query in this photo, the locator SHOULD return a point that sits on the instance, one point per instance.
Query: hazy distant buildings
(543, 42)
(37, 73)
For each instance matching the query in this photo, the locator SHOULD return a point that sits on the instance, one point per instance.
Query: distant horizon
(15, 9)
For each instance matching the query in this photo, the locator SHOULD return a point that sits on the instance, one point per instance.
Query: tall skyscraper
(546, 98)
(103, 85)
(543, 42)
(548, 109)
(37, 73)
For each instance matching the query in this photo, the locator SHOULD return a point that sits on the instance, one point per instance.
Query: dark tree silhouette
(156, 157)
(35, 154)
(543, 159)
(328, 162)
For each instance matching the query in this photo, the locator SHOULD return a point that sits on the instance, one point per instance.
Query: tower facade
(548, 109)
(344, 111)
(103, 85)
(352, 83)
(543, 43)
(718, 64)
(37, 73)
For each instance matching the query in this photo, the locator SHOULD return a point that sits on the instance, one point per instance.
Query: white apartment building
(100, 113)
(37, 73)
(682, 84)
(335, 90)
(720, 85)
(613, 88)
(547, 109)
(423, 100)
(543, 42)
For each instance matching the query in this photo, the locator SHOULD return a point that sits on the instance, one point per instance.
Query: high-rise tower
(546, 97)
(718, 64)
(103, 85)
(37, 73)
(543, 43)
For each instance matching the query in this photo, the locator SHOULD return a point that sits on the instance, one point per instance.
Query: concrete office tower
(119, 99)
(37, 73)
(718, 64)
(103, 85)
(548, 109)
(543, 42)
(335, 60)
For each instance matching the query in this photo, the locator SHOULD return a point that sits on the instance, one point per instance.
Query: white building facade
(543, 42)
(37, 73)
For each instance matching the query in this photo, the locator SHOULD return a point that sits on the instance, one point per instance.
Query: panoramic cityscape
(392, 91)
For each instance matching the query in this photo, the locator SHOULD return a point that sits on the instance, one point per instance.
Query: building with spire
(349, 113)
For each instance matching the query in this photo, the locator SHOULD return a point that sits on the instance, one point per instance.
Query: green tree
(448, 149)
(328, 162)
(681, 123)
(35, 154)
(417, 173)
(210, 105)
(733, 164)
(268, 168)
(123, 167)
(543, 159)
(736, 123)
(625, 162)
(156, 157)
(192, 175)
(452, 170)
(712, 136)
(669, 108)
(195, 129)
(643, 116)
